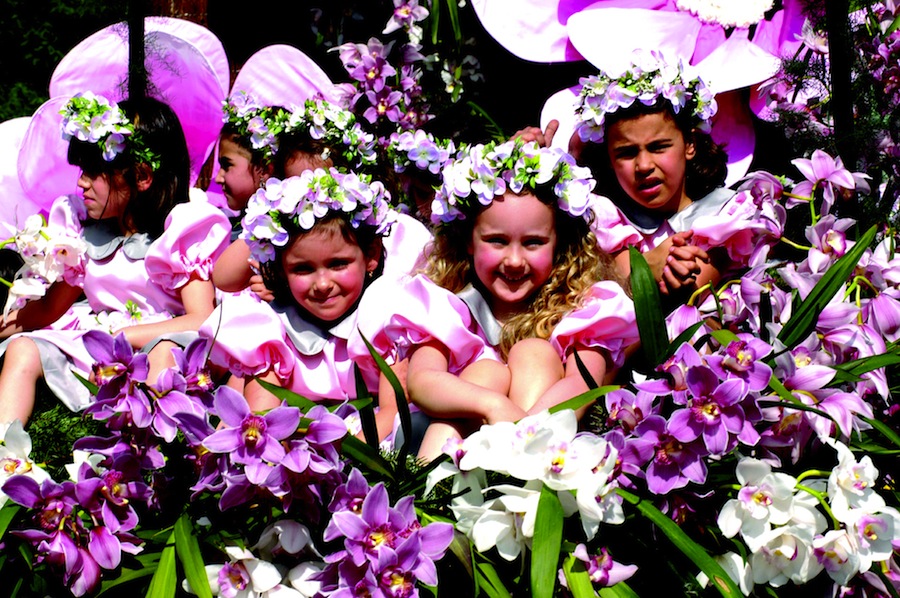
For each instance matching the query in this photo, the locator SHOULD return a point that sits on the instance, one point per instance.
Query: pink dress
(723, 218)
(405, 246)
(253, 337)
(126, 280)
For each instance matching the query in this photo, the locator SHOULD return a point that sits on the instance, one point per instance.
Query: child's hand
(257, 285)
(544, 138)
(684, 263)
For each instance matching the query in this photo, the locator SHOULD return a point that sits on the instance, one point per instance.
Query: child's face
(649, 156)
(512, 248)
(102, 200)
(325, 273)
(238, 177)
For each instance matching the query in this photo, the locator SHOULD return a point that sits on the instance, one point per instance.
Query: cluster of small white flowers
(727, 13)
(95, 119)
(47, 255)
(648, 78)
(778, 519)
(306, 198)
(487, 171)
(420, 149)
(539, 450)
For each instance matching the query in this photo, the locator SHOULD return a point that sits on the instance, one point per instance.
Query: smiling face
(325, 272)
(102, 199)
(513, 246)
(237, 175)
(649, 156)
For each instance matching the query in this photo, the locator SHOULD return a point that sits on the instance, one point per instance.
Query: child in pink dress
(645, 136)
(318, 239)
(514, 286)
(148, 251)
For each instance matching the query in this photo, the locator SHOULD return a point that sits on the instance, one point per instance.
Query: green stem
(821, 498)
(696, 294)
(787, 241)
(812, 472)
(5, 282)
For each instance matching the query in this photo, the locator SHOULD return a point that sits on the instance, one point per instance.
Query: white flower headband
(336, 127)
(260, 124)
(420, 149)
(481, 172)
(94, 119)
(649, 78)
(306, 198)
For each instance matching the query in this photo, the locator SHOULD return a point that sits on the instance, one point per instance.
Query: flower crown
(94, 119)
(420, 149)
(306, 198)
(260, 124)
(336, 127)
(481, 172)
(648, 78)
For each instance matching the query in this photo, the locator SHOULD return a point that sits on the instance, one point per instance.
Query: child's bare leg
(160, 358)
(534, 366)
(494, 376)
(21, 371)
(436, 436)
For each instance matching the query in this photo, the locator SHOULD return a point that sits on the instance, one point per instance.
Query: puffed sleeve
(196, 235)
(65, 220)
(606, 320)
(248, 338)
(739, 227)
(396, 316)
(613, 231)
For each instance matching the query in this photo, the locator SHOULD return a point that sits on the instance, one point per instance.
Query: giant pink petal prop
(178, 75)
(608, 37)
(779, 36)
(15, 206)
(737, 63)
(733, 126)
(282, 75)
(561, 107)
(201, 38)
(44, 170)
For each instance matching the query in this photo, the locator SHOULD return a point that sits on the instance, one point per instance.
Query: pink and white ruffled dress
(122, 277)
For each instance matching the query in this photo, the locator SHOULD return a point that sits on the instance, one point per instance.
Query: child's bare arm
(573, 384)
(199, 299)
(258, 397)
(232, 271)
(42, 312)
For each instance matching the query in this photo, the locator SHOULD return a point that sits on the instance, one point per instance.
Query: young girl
(318, 239)
(149, 252)
(644, 136)
(515, 287)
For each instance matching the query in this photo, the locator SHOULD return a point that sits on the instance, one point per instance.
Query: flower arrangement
(259, 124)
(648, 79)
(305, 198)
(337, 127)
(420, 149)
(49, 255)
(481, 172)
(94, 119)
(727, 14)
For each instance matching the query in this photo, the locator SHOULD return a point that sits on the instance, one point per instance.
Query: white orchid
(737, 570)
(838, 554)
(245, 576)
(15, 457)
(785, 554)
(874, 534)
(851, 484)
(765, 499)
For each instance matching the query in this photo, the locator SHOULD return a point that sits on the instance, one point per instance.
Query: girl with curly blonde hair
(513, 288)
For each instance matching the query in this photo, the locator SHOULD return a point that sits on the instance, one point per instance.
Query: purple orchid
(601, 568)
(250, 439)
(406, 12)
(742, 358)
(672, 464)
(826, 173)
(713, 412)
(115, 363)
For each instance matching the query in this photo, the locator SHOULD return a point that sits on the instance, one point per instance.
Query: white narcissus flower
(851, 483)
(764, 500)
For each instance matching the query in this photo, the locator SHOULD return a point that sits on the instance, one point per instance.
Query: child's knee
(22, 350)
(533, 350)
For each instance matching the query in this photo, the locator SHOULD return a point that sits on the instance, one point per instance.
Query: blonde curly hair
(578, 263)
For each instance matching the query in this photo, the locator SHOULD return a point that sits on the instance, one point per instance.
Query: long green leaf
(366, 413)
(854, 369)
(793, 405)
(585, 398)
(354, 448)
(648, 309)
(881, 427)
(683, 542)
(488, 581)
(111, 586)
(577, 578)
(806, 314)
(292, 398)
(453, 11)
(164, 581)
(548, 528)
(92, 388)
(681, 339)
(399, 395)
(620, 590)
(188, 550)
(7, 513)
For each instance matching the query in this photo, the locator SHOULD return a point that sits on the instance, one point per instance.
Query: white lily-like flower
(785, 554)
(15, 457)
(851, 484)
(299, 578)
(245, 576)
(285, 536)
(737, 570)
(838, 554)
(874, 534)
(764, 500)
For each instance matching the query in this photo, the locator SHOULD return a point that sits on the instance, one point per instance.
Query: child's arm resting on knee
(439, 393)
(199, 299)
(232, 271)
(42, 312)
(573, 383)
